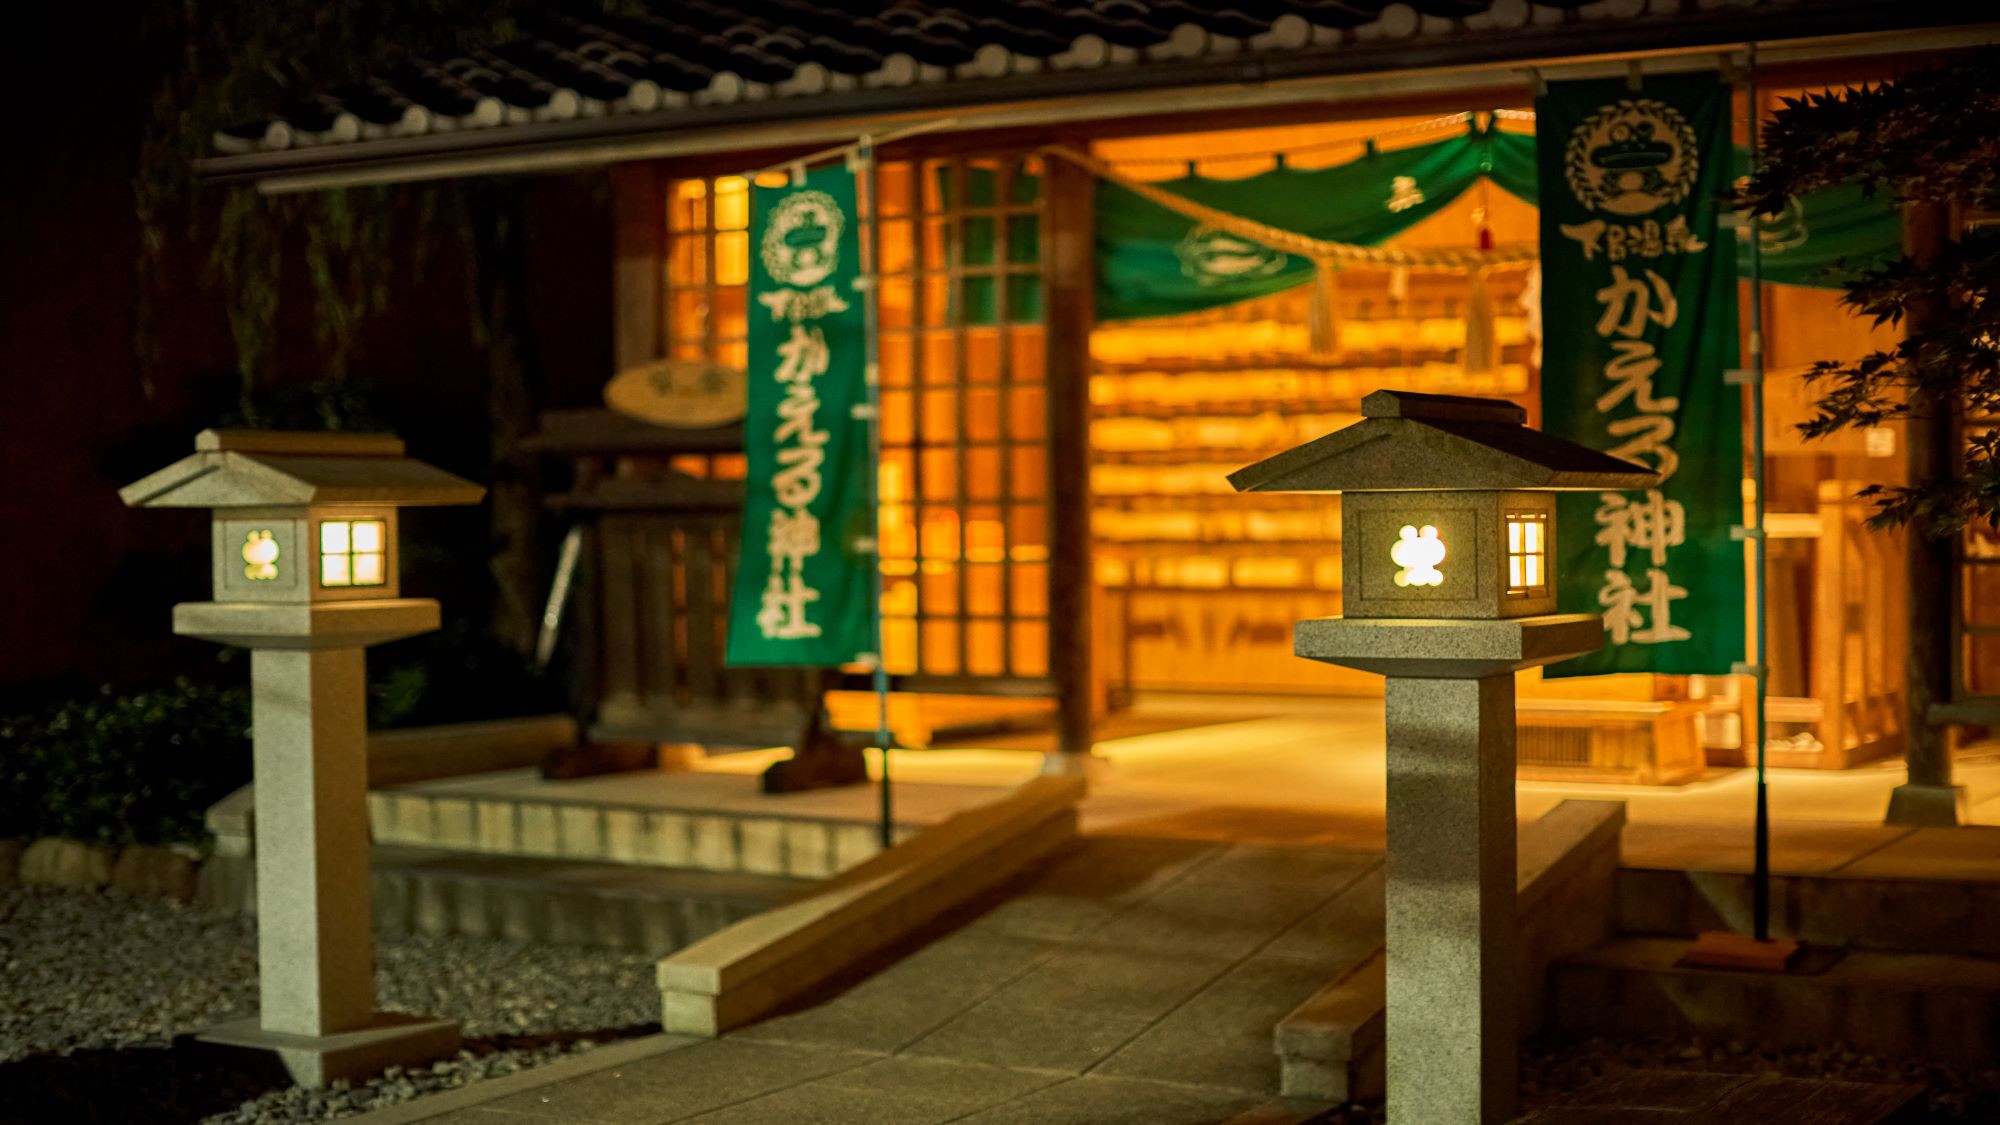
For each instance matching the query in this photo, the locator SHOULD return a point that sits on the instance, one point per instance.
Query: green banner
(802, 589)
(1639, 325)
(1155, 262)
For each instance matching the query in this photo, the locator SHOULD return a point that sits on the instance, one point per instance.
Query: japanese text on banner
(802, 590)
(1639, 315)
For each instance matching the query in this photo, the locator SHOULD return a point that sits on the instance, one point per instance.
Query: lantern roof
(1407, 441)
(269, 468)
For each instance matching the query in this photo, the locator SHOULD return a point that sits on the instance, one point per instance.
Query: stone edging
(492, 1089)
(751, 968)
(174, 871)
(170, 872)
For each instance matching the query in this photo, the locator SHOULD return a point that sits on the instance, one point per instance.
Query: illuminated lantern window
(1527, 554)
(1418, 551)
(353, 553)
(260, 556)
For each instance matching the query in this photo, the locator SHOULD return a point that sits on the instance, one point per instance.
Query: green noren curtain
(1153, 262)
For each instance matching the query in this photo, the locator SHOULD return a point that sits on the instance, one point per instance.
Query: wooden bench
(1638, 742)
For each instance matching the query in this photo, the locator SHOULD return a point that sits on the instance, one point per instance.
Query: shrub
(124, 769)
(143, 767)
(459, 673)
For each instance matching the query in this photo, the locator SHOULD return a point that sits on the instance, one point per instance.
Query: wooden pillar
(1928, 796)
(639, 216)
(1070, 267)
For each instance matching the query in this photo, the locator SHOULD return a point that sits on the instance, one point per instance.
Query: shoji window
(964, 470)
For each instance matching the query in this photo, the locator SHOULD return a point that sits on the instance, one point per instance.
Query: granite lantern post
(1447, 529)
(305, 569)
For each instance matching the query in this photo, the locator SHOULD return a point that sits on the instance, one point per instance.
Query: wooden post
(1071, 265)
(638, 211)
(1928, 796)
(1829, 640)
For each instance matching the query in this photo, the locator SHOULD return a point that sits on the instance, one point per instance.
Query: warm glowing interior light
(260, 556)
(353, 552)
(1527, 553)
(1418, 551)
(334, 571)
(985, 541)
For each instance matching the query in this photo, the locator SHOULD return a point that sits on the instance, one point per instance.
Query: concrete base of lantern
(1915, 805)
(315, 1060)
(1452, 1019)
(1091, 767)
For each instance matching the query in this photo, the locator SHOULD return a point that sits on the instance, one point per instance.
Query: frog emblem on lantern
(1632, 157)
(1417, 552)
(260, 556)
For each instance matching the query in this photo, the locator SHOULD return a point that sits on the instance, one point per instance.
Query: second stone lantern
(1447, 530)
(305, 577)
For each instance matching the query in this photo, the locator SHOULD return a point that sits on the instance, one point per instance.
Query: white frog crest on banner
(1214, 257)
(802, 244)
(1632, 157)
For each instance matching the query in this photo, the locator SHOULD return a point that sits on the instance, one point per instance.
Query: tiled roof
(685, 55)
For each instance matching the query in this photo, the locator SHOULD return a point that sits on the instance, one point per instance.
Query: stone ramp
(1672, 1097)
(1143, 959)
(734, 1082)
(1128, 979)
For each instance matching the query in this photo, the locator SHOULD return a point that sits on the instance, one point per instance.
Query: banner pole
(864, 159)
(1760, 879)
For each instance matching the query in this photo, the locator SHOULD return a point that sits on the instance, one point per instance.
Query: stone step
(1283, 1111)
(1650, 1097)
(1897, 915)
(1917, 1005)
(564, 902)
(1331, 1045)
(721, 823)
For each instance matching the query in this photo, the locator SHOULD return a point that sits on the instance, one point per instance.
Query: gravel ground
(99, 989)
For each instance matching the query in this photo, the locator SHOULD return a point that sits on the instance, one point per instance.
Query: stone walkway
(1226, 873)
(1134, 980)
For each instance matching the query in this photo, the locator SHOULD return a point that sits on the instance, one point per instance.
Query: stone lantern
(1447, 528)
(305, 558)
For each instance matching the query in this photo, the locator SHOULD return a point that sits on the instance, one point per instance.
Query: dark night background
(88, 583)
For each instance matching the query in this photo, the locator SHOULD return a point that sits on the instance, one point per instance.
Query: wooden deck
(1678, 1097)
